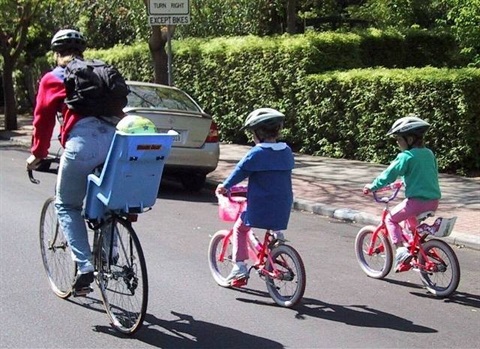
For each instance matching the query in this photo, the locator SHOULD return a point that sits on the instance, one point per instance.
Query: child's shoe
(401, 257)
(239, 271)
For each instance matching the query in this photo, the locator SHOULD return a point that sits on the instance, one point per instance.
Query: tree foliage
(16, 18)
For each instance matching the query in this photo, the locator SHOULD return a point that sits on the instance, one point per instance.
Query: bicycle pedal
(239, 282)
(82, 292)
(403, 267)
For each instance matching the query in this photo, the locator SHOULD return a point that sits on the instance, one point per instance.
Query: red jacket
(50, 100)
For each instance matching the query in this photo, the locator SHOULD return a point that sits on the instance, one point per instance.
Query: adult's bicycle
(276, 262)
(434, 259)
(120, 270)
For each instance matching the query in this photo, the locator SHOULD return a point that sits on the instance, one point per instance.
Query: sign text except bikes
(169, 12)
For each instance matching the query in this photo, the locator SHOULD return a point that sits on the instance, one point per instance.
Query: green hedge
(332, 108)
(347, 114)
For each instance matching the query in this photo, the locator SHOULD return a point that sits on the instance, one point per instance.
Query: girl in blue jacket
(268, 167)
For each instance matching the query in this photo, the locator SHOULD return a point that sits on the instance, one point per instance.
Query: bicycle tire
(379, 264)
(220, 268)
(444, 281)
(56, 253)
(123, 281)
(288, 289)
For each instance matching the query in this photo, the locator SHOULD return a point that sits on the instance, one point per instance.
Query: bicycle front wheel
(220, 257)
(442, 273)
(374, 256)
(122, 275)
(56, 254)
(288, 287)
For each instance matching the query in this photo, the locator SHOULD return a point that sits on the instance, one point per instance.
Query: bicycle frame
(259, 257)
(415, 246)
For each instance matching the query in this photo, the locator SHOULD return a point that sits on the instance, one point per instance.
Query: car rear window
(160, 98)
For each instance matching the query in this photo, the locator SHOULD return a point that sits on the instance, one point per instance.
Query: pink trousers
(407, 211)
(239, 241)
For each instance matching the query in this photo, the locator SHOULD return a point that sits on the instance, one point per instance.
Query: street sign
(169, 12)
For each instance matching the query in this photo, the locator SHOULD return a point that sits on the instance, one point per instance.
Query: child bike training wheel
(220, 257)
(56, 253)
(288, 286)
(122, 275)
(378, 263)
(442, 273)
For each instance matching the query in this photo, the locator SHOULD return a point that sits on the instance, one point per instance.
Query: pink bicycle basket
(230, 208)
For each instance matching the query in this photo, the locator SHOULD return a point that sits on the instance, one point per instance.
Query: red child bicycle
(279, 264)
(434, 259)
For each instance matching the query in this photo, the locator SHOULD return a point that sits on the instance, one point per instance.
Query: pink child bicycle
(434, 259)
(279, 264)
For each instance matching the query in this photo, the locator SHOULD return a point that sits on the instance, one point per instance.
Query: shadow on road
(357, 315)
(462, 298)
(187, 332)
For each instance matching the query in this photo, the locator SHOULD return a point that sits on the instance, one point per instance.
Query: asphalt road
(342, 307)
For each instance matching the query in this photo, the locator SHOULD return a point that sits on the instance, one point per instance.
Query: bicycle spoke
(56, 255)
(287, 282)
(123, 280)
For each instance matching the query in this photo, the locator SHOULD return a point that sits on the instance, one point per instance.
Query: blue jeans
(86, 148)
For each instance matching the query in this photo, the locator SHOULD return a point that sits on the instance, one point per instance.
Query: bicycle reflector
(132, 217)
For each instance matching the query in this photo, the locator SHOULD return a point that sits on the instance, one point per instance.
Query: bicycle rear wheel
(122, 276)
(56, 253)
(220, 257)
(288, 288)
(443, 278)
(379, 263)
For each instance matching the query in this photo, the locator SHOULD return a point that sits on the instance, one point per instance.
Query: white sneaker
(239, 271)
(401, 256)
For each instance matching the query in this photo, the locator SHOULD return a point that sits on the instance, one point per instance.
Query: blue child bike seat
(131, 175)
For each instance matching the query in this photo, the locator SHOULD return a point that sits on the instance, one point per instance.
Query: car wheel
(193, 181)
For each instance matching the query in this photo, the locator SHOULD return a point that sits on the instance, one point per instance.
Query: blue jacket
(268, 167)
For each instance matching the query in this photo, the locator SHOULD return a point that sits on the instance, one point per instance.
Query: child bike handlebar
(395, 187)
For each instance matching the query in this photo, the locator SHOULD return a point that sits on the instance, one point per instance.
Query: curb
(353, 216)
(343, 214)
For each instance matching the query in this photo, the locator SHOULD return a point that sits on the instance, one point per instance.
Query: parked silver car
(195, 151)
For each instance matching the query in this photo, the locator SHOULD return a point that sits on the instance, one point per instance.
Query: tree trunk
(9, 95)
(292, 16)
(157, 43)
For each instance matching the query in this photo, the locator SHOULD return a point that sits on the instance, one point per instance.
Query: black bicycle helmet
(409, 125)
(263, 117)
(68, 39)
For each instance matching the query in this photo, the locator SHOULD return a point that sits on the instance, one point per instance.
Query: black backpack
(94, 88)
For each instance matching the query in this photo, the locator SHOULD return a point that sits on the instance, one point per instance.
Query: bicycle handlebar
(396, 186)
(43, 166)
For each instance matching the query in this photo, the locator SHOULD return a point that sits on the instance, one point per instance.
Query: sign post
(169, 12)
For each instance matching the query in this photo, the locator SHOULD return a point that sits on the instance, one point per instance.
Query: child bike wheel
(56, 253)
(219, 246)
(288, 288)
(122, 278)
(379, 263)
(443, 280)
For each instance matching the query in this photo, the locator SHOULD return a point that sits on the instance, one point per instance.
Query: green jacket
(418, 169)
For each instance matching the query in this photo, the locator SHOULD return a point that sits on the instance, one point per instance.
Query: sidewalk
(333, 188)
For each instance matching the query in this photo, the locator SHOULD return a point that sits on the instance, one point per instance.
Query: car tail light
(212, 134)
